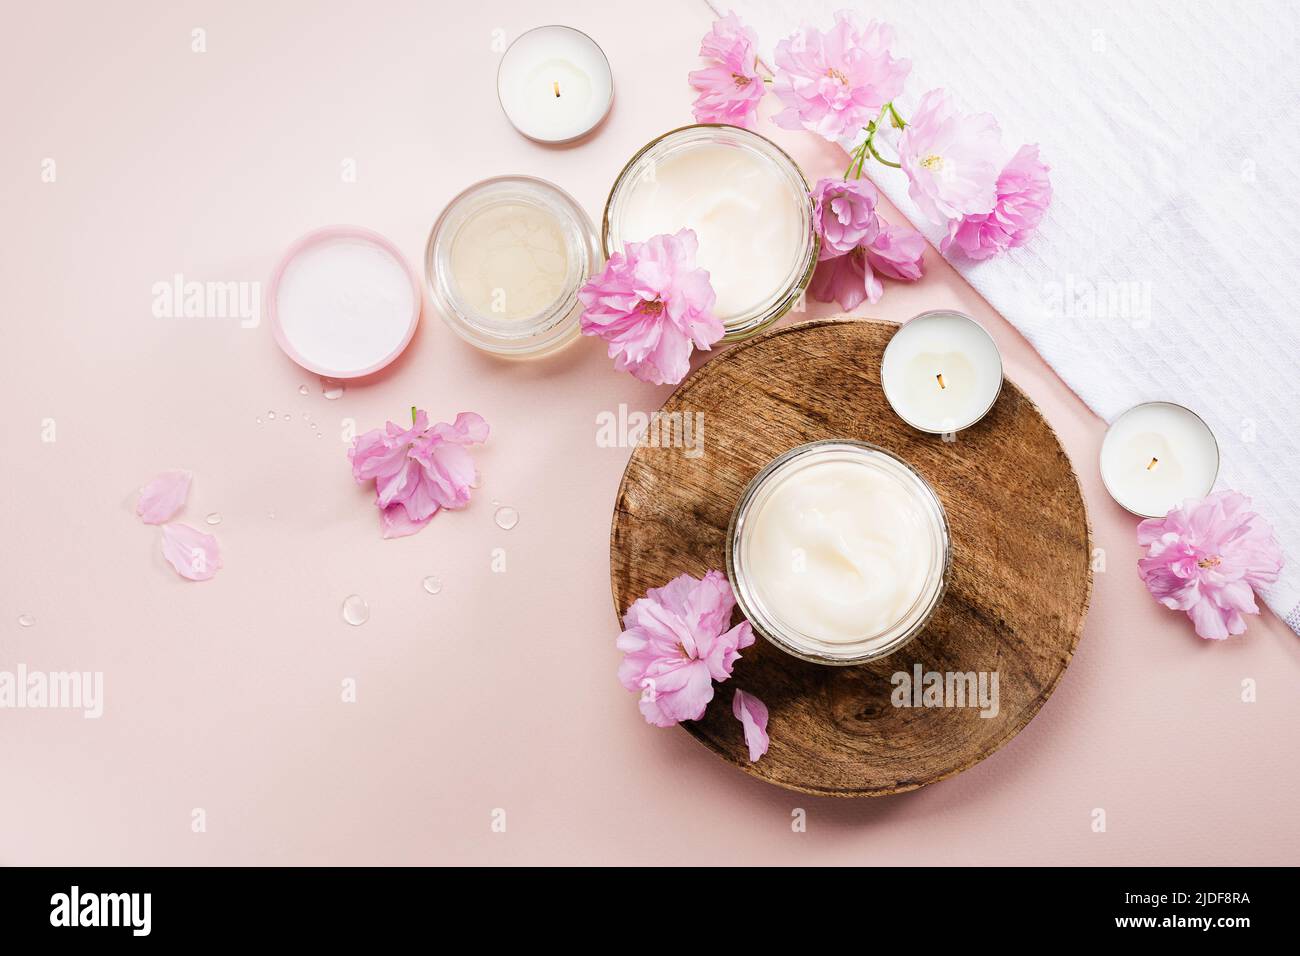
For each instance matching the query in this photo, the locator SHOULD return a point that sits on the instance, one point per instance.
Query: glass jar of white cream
(748, 204)
(505, 261)
(838, 552)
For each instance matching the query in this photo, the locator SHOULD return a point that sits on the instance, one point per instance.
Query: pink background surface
(498, 692)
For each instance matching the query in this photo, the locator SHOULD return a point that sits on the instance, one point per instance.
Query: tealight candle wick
(1152, 466)
(940, 379)
(556, 86)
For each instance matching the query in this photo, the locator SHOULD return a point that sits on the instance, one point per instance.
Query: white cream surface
(841, 550)
(345, 304)
(510, 261)
(748, 220)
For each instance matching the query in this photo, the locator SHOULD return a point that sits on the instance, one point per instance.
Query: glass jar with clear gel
(748, 204)
(838, 552)
(504, 264)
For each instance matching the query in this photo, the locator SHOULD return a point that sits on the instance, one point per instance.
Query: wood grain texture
(1018, 588)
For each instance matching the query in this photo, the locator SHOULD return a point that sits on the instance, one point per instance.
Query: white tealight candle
(555, 84)
(1157, 455)
(941, 372)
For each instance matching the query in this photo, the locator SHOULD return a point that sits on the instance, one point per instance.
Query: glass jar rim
(801, 272)
(807, 647)
(534, 335)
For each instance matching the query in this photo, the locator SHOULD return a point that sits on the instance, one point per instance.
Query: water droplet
(330, 389)
(259, 421)
(303, 390)
(432, 584)
(270, 416)
(507, 517)
(213, 518)
(287, 416)
(320, 434)
(355, 610)
(26, 620)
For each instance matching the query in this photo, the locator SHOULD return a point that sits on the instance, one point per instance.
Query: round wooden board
(1017, 592)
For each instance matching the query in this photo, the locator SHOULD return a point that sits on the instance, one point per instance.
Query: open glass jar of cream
(838, 552)
(504, 264)
(749, 207)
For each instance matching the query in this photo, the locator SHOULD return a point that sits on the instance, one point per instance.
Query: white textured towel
(1166, 267)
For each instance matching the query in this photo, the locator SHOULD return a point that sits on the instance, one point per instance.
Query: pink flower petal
(676, 695)
(396, 523)
(950, 159)
(834, 83)
(730, 88)
(1206, 558)
(752, 714)
(653, 306)
(897, 252)
(418, 471)
(470, 428)
(193, 554)
(676, 643)
(893, 251)
(1023, 194)
(163, 497)
(844, 215)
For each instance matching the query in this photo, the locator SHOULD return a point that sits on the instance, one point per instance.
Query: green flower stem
(412, 414)
(880, 159)
(867, 147)
(855, 160)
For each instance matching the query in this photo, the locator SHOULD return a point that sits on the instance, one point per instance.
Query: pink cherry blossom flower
(731, 88)
(653, 306)
(834, 83)
(1023, 193)
(752, 714)
(846, 279)
(844, 214)
(1206, 558)
(193, 554)
(677, 644)
(895, 251)
(163, 497)
(950, 159)
(418, 471)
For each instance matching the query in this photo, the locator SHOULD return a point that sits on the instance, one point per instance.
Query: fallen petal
(752, 714)
(163, 497)
(193, 554)
(396, 523)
